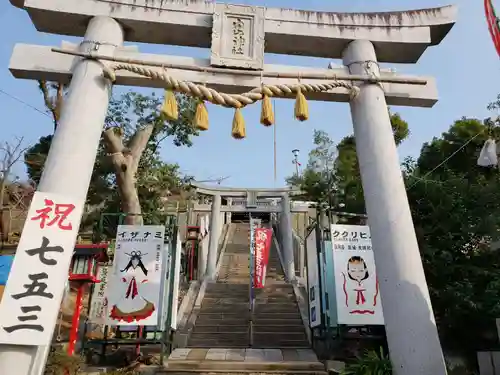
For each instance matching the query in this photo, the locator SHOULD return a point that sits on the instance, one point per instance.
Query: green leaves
(370, 363)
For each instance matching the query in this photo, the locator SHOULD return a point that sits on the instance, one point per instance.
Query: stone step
(218, 309)
(222, 287)
(248, 361)
(235, 322)
(222, 336)
(288, 328)
(267, 337)
(227, 319)
(294, 320)
(277, 317)
(210, 301)
(221, 328)
(275, 308)
(205, 342)
(235, 308)
(244, 367)
(281, 344)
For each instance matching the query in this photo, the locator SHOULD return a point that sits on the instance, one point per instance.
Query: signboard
(262, 240)
(328, 278)
(39, 272)
(99, 303)
(356, 283)
(5, 266)
(176, 275)
(135, 283)
(313, 280)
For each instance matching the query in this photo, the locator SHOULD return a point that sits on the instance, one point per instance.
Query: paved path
(245, 355)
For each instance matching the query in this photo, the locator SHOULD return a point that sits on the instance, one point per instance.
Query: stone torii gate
(252, 196)
(238, 36)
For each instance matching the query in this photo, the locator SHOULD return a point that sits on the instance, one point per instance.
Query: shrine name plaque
(238, 37)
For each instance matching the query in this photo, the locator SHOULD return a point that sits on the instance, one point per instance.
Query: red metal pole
(139, 336)
(73, 336)
(191, 261)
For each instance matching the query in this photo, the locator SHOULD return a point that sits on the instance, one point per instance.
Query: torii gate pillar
(286, 234)
(409, 320)
(215, 230)
(74, 148)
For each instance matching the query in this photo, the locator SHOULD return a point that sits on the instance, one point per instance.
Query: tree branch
(113, 141)
(114, 146)
(49, 103)
(137, 145)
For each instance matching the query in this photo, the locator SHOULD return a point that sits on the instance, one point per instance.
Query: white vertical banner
(176, 276)
(313, 280)
(99, 300)
(356, 283)
(35, 288)
(135, 284)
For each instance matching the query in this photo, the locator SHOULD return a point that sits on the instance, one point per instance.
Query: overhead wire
(444, 161)
(419, 179)
(24, 103)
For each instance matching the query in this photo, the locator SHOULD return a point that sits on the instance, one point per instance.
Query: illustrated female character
(133, 307)
(357, 283)
(135, 261)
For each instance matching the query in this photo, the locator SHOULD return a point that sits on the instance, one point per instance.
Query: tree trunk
(126, 161)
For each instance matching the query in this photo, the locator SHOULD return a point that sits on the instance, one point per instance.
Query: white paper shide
(135, 284)
(356, 283)
(39, 273)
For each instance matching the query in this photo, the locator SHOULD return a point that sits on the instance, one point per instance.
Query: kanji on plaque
(262, 240)
(35, 287)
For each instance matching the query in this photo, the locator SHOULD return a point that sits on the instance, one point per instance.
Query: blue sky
(465, 65)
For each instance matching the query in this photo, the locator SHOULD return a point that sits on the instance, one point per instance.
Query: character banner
(263, 237)
(356, 283)
(35, 287)
(135, 283)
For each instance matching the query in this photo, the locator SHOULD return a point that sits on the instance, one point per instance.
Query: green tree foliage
(456, 150)
(128, 171)
(317, 180)
(456, 211)
(332, 173)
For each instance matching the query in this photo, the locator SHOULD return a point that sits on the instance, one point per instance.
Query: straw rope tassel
(170, 109)
(200, 120)
(266, 114)
(238, 131)
(301, 107)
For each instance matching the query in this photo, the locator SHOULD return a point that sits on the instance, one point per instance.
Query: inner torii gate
(238, 36)
(251, 195)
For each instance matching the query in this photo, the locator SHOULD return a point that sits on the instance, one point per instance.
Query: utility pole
(296, 161)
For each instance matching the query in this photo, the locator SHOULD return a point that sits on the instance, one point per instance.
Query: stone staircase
(227, 339)
(224, 320)
(277, 322)
(224, 317)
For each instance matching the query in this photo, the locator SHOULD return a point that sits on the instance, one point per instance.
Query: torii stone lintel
(40, 63)
(225, 191)
(399, 37)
